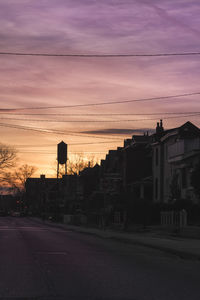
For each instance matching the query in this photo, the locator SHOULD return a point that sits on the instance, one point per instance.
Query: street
(40, 261)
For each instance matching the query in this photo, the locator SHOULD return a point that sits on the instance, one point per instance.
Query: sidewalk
(185, 248)
(182, 247)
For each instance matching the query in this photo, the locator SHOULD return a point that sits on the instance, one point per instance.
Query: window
(156, 156)
(156, 188)
(183, 177)
(167, 185)
(166, 152)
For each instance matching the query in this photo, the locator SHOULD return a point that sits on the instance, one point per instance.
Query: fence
(78, 219)
(173, 218)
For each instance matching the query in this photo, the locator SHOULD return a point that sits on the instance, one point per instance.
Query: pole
(58, 170)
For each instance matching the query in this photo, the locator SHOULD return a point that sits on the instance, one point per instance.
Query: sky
(28, 83)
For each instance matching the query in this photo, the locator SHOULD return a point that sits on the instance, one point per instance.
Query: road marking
(51, 253)
(8, 229)
(19, 227)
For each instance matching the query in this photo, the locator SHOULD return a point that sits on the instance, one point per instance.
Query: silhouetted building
(148, 168)
(111, 173)
(39, 193)
(53, 196)
(175, 153)
(137, 161)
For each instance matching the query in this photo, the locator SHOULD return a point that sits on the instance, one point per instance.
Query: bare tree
(76, 163)
(17, 178)
(7, 157)
(79, 162)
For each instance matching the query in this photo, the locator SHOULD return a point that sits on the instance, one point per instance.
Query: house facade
(175, 154)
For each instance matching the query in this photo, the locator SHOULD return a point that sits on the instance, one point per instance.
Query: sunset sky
(94, 27)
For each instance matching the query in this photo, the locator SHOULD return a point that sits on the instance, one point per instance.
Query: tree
(76, 164)
(7, 157)
(17, 178)
(195, 179)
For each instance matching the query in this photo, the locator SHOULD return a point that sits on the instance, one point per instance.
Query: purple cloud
(119, 131)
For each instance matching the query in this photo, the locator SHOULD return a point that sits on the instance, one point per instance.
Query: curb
(106, 235)
(179, 253)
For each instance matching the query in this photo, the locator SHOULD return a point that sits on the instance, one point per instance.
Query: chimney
(158, 128)
(161, 126)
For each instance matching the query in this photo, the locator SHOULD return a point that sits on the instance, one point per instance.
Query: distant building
(40, 192)
(53, 196)
(111, 173)
(89, 178)
(137, 165)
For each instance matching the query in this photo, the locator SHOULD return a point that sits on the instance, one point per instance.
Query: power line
(100, 121)
(38, 146)
(69, 144)
(93, 143)
(69, 133)
(102, 103)
(101, 55)
(53, 131)
(99, 114)
(70, 153)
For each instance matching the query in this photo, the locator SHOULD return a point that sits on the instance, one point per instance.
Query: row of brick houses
(152, 168)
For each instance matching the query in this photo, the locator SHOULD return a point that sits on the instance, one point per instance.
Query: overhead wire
(91, 55)
(102, 103)
(178, 115)
(100, 121)
(182, 114)
(69, 144)
(53, 131)
(70, 153)
(97, 114)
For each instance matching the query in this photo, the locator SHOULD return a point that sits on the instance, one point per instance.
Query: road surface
(40, 261)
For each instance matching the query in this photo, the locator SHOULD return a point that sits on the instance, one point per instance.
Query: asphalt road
(38, 261)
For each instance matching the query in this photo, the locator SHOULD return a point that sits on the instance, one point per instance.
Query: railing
(172, 218)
